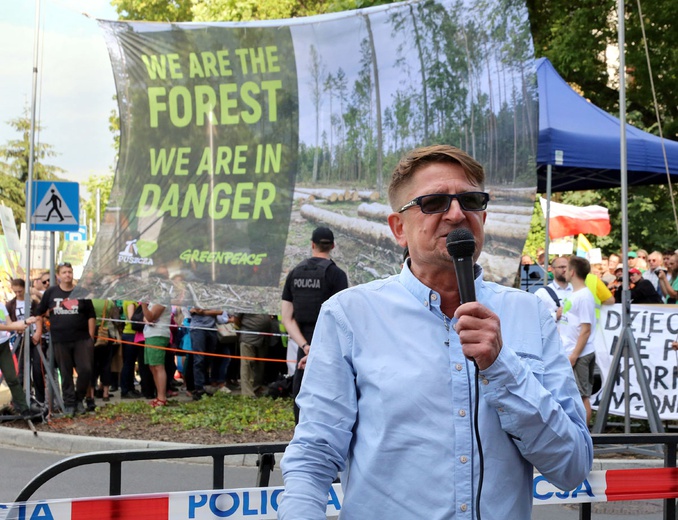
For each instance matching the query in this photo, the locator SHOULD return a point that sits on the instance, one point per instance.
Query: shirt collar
(429, 298)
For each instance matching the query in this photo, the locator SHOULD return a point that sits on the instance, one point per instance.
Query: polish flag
(566, 220)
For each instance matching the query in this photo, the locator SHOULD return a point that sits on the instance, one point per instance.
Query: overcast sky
(75, 80)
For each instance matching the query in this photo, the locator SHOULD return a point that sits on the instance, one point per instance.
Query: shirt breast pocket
(534, 363)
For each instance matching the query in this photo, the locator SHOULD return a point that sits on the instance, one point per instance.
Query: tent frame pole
(626, 344)
(548, 216)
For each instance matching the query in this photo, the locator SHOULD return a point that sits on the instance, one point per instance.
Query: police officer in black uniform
(307, 286)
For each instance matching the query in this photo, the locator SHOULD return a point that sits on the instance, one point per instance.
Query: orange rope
(182, 352)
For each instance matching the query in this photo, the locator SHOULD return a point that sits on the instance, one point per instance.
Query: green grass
(222, 413)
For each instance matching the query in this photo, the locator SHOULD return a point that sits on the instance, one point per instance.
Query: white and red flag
(567, 220)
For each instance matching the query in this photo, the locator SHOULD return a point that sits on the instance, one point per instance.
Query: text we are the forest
(251, 99)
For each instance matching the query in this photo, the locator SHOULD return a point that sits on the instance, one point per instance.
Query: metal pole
(626, 296)
(626, 344)
(548, 215)
(29, 194)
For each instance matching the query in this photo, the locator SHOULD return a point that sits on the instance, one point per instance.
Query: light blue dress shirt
(388, 399)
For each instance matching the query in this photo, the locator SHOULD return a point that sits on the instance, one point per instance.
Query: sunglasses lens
(435, 203)
(473, 201)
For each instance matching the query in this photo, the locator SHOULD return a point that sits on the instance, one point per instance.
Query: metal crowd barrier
(610, 485)
(265, 462)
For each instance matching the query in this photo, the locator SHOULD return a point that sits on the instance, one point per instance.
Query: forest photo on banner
(237, 139)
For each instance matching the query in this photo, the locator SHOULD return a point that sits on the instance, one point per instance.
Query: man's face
(612, 263)
(655, 260)
(559, 267)
(632, 261)
(569, 273)
(425, 234)
(634, 277)
(19, 292)
(44, 282)
(66, 274)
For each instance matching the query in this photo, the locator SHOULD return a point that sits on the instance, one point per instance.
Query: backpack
(137, 319)
(553, 295)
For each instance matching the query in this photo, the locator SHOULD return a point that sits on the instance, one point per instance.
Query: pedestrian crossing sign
(55, 206)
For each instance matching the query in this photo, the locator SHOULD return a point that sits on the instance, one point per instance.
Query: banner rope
(189, 327)
(181, 351)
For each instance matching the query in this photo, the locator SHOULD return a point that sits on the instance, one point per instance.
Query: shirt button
(463, 508)
(434, 297)
(463, 459)
(458, 366)
(425, 303)
(500, 409)
(462, 413)
(485, 381)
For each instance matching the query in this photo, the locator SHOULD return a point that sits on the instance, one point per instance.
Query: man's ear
(395, 222)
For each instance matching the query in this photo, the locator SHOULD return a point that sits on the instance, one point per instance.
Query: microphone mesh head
(460, 243)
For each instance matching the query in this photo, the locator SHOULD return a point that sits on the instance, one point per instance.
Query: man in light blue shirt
(388, 397)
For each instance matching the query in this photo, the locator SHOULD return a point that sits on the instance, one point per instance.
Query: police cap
(322, 235)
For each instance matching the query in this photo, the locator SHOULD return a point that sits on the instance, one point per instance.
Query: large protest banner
(654, 327)
(237, 139)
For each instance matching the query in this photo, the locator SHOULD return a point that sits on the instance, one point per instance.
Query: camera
(656, 271)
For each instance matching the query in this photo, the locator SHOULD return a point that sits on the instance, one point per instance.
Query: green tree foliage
(103, 183)
(537, 236)
(574, 35)
(231, 10)
(154, 10)
(14, 159)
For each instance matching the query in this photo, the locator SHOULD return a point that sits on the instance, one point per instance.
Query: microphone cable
(481, 458)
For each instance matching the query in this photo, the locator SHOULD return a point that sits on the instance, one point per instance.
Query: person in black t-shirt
(307, 286)
(72, 326)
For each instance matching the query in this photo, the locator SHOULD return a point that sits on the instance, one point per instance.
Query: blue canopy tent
(581, 142)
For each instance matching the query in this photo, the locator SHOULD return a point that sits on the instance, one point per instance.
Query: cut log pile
(515, 194)
(510, 222)
(335, 194)
(368, 231)
(509, 216)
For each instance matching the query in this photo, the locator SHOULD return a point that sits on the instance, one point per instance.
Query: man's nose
(454, 212)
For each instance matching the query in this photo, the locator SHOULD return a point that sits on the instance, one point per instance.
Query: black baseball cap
(322, 235)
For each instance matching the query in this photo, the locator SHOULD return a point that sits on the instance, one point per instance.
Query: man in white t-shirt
(576, 328)
(559, 286)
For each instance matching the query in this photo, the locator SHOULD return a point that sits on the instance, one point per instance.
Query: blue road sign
(56, 206)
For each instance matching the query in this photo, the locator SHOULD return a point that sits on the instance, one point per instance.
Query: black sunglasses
(64, 264)
(440, 202)
(45, 282)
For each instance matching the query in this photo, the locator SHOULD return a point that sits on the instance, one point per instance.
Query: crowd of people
(153, 351)
(653, 277)
(144, 350)
(578, 289)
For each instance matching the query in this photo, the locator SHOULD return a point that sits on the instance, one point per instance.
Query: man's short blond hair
(439, 153)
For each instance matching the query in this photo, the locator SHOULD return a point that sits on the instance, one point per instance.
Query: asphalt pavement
(57, 445)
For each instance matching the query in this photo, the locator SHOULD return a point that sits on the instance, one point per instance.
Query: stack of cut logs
(508, 222)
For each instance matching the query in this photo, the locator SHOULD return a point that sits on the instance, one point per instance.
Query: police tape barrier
(262, 503)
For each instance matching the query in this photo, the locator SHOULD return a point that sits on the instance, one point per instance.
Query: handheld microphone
(461, 244)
